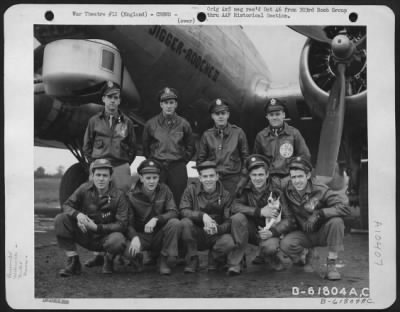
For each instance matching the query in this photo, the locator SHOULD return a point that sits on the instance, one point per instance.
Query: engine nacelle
(314, 95)
(70, 67)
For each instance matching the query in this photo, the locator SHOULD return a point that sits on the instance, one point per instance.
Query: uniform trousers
(163, 241)
(68, 234)
(174, 174)
(330, 234)
(195, 238)
(249, 233)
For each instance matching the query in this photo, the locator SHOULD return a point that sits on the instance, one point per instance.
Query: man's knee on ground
(115, 243)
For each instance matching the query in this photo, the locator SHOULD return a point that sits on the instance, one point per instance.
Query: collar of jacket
(226, 130)
(199, 188)
(120, 115)
(163, 120)
(268, 130)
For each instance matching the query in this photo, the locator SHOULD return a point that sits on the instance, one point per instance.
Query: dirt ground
(257, 281)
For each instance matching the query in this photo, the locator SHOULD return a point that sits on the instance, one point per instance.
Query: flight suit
(279, 149)
(195, 202)
(117, 143)
(249, 205)
(109, 212)
(164, 239)
(170, 142)
(228, 148)
(329, 230)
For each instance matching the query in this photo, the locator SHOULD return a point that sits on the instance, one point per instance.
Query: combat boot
(73, 267)
(234, 270)
(137, 263)
(164, 267)
(192, 266)
(332, 273)
(215, 263)
(97, 260)
(108, 266)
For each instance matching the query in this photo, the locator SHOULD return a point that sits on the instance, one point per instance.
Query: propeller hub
(342, 47)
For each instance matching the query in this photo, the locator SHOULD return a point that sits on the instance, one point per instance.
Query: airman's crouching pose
(95, 216)
(153, 224)
(318, 211)
(205, 210)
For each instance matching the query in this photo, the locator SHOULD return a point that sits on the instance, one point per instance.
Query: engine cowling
(317, 75)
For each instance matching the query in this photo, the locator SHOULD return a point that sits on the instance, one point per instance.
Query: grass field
(46, 193)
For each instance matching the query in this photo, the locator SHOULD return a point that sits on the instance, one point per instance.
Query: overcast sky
(280, 46)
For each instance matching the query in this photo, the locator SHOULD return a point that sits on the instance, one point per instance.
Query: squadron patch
(286, 150)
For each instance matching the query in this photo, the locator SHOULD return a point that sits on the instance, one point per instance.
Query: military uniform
(279, 145)
(160, 204)
(249, 206)
(227, 147)
(318, 212)
(170, 142)
(108, 211)
(194, 204)
(112, 138)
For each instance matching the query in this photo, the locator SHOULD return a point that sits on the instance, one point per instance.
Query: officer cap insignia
(110, 84)
(273, 102)
(218, 102)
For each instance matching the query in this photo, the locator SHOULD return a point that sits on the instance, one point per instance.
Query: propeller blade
(314, 32)
(332, 128)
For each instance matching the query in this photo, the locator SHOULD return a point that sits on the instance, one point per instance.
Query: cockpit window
(107, 60)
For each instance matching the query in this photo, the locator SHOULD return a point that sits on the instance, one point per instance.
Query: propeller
(344, 51)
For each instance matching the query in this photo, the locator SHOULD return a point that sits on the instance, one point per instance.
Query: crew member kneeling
(153, 224)
(95, 216)
(205, 210)
(319, 213)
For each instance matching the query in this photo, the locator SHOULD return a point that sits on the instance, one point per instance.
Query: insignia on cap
(218, 102)
(110, 84)
(253, 159)
(102, 161)
(151, 163)
(273, 102)
(167, 90)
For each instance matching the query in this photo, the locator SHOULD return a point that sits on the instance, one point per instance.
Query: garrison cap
(101, 163)
(256, 160)
(300, 162)
(205, 165)
(167, 94)
(149, 166)
(274, 105)
(218, 105)
(111, 88)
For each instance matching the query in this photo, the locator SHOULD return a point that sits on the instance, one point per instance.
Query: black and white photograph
(209, 155)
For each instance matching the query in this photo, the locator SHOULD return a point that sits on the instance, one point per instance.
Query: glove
(240, 186)
(311, 224)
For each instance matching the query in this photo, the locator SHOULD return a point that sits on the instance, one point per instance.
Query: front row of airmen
(230, 205)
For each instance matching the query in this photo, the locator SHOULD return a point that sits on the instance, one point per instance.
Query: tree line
(40, 173)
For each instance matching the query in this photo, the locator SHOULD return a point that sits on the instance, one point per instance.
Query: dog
(274, 203)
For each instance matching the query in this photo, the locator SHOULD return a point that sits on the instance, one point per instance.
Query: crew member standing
(110, 134)
(168, 139)
(226, 144)
(279, 142)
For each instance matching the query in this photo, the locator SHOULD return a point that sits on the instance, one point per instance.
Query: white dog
(273, 203)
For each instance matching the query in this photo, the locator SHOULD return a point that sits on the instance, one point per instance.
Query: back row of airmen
(267, 199)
